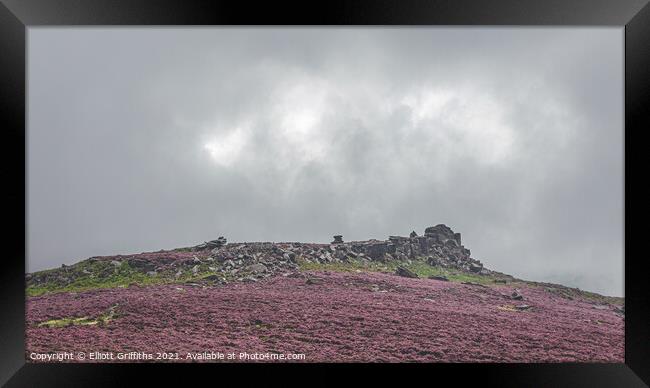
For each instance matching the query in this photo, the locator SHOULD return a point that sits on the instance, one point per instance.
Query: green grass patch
(419, 266)
(89, 275)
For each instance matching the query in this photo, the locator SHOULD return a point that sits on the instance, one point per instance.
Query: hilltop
(422, 298)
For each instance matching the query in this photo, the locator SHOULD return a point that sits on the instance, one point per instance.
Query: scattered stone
(405, 272)
(212, 278)
(600, 307)
(474, 284)
(257, 268)
(313, 280)
(516, 296)
(141, 265)
(475, 267)
(218, 243)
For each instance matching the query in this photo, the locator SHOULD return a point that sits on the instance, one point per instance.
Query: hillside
(416, 298)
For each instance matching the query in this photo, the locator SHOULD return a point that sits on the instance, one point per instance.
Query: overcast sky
(148, 139)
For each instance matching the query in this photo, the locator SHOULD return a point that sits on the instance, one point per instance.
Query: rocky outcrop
(439, 246)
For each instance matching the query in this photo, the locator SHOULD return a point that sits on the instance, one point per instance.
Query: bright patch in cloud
(225, 150)
(471, 121)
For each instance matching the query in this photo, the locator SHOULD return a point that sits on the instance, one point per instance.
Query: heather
(345, 316)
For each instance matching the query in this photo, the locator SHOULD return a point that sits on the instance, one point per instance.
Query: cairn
(218, 243)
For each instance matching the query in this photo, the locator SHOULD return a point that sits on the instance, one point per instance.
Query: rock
(313, 280)
(152, 273)
(116, 263)
(439, 230)
(522, 307)
(289, 256)
(338, 239)
(405, 272)
(141, 265)
(195, 269)
(432, 261)
(437, 277)
(516, 296)
(178, 274)
(376, 250)
(212, 278)
(474, 284)
(451, 243)
(502, 281)
(413, 234)
(475, 267)
(257, 268)
(218, 243)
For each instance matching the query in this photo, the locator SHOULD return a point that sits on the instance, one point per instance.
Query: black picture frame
(17, 15)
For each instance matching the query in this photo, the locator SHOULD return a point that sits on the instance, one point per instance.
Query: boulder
(257, 268)
(338, 239)
(141, 265)
(215, 244)
(516, 296)
(473, 267)
(405, 272)
(439, 230)
(313, 280)
(413, 234)
(376, 250)
(439, 277)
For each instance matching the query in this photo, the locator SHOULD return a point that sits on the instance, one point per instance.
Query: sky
(141, 139)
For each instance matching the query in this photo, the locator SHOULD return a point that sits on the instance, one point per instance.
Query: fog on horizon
(141, 139)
